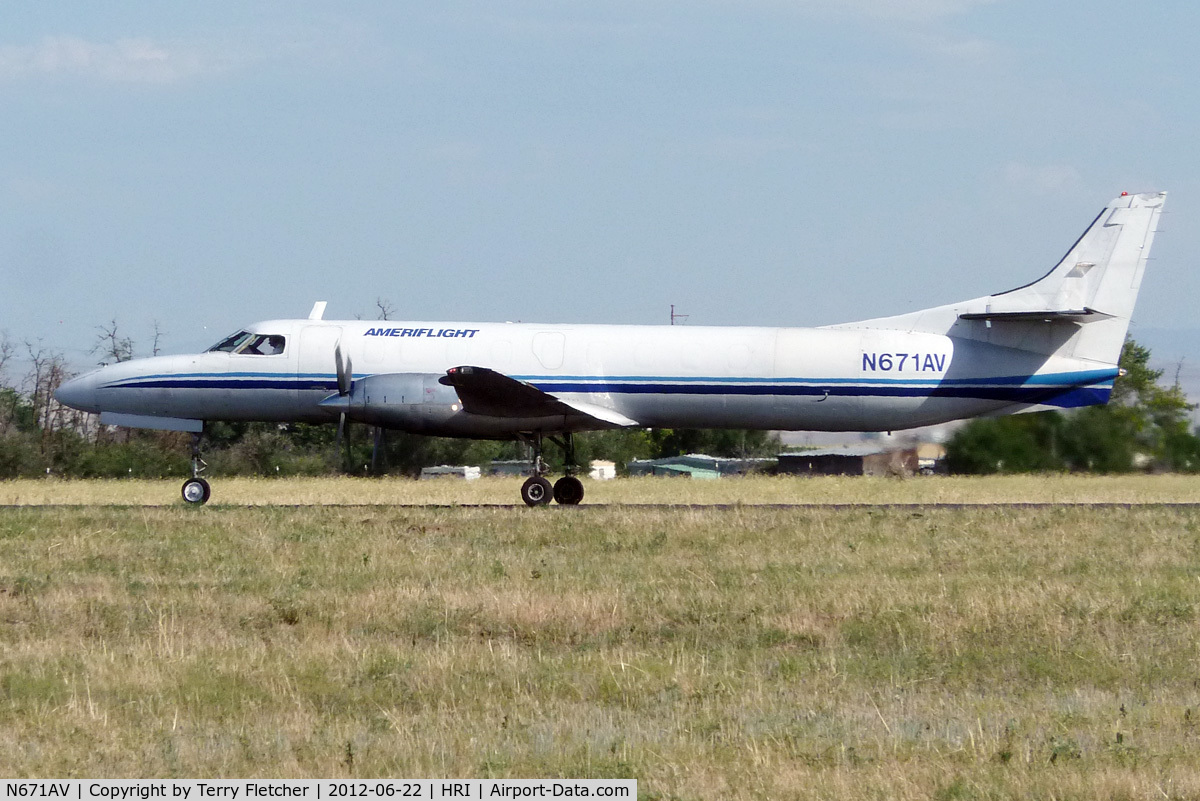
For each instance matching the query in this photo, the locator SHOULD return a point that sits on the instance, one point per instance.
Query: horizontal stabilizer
(487, 392)
(1084, 315)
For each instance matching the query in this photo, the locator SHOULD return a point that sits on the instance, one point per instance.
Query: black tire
(536, 491)
(568, 490)
(196, 491)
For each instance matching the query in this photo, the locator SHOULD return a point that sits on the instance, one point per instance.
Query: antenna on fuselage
(682, 318)
(318, 310)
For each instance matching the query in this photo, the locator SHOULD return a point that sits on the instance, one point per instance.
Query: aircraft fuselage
(1052, 343)
(658, 376)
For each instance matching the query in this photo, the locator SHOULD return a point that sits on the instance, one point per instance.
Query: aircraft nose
(80, 393)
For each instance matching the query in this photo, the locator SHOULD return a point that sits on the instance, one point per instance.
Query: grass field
(735, 653)
(1056, 488)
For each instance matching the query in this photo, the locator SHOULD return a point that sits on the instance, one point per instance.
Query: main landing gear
(537, 490)
(196, 490)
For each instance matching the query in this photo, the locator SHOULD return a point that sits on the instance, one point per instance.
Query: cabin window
(250, 344)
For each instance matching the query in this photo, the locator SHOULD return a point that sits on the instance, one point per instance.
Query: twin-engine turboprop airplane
(1051, 344)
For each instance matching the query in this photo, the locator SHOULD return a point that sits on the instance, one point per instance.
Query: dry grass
(1054, 488)
(739, 653)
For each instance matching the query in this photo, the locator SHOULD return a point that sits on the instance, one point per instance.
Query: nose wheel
(196, 490)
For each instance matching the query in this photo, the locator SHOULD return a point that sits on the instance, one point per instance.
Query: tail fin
(1079, 309)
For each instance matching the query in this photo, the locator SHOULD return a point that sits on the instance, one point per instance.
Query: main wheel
(196, 491)
(536, 491)
(568, 490)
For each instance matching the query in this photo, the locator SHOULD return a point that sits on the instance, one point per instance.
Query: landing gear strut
(568, 490)
(196, 490)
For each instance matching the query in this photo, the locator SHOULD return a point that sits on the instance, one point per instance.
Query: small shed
(678, 471)
(511, 467)
(465, 472)
(853, 460)
(602, 470)
(697, 465)
(931, 458)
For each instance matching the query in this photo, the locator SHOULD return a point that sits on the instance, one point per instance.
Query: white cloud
(895, 9)
(131, 60)
(889, 11)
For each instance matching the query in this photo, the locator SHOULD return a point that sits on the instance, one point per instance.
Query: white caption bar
(315, 790)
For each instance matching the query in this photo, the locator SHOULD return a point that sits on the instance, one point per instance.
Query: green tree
(621, 445)
(1098, 439)
(1017, 444)
(20, 437)
(731, 442)
(1142, 417)
(21, 455)
(16, 412)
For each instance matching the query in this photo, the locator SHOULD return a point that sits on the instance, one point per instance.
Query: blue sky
(768, 162)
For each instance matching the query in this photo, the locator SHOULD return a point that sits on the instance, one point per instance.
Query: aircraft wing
(487, 392)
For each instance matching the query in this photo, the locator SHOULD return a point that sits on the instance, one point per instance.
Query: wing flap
(487, 392)
(601, 413)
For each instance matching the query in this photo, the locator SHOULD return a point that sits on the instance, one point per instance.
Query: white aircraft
(1051, 344)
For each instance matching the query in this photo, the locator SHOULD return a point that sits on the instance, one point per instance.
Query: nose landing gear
(537, 490)
(196, 490)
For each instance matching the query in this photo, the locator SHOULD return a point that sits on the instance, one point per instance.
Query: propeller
(345, 371)
(345, 382)
(341, 401)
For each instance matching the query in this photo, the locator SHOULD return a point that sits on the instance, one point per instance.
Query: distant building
(511, 467)
(675, 470)
(698, 465)
(853, 460)
(465, 472)
(931, 458)
(600, 470)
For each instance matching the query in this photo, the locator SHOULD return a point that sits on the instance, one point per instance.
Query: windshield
(230, 343)
(249, 344)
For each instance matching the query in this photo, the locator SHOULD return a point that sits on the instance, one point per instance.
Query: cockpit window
(230, 344)
(263, 345)
(249, 344)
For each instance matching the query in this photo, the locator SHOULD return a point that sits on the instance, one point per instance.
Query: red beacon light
(1124, 194)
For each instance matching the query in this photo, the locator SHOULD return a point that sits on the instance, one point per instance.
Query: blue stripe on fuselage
(1026, 394)
(288, 381)
(1082, 378)
(1066, 390)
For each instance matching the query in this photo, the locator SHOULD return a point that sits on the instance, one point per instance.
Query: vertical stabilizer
(1080, 309)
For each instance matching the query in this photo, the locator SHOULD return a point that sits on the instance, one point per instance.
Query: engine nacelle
(411, 401)
(420, 403)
